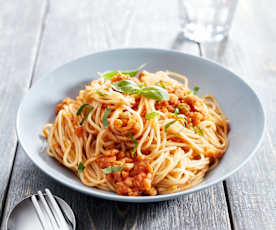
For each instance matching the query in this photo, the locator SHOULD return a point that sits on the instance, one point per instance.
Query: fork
(54, 213)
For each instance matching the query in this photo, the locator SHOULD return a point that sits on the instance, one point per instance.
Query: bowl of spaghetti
(108, 128)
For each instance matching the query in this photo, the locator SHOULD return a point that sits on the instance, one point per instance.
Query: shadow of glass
(215, 50)
(181, 40)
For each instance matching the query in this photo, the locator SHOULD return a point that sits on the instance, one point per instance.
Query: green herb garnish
(112, 169)
(169, 124)
(196, 89)
(161, 84)
(86, 113)
(198, 131)
(152, 115)
(105, 121)
(183, 107)
(153, 92)
(81, 167)
(126, 86)
(176, 112)
(81, 108)
(178, 118)
(135, 142)
(110, 74)
(133, 73)
(100, 94)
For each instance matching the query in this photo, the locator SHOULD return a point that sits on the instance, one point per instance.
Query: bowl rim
(144, 199)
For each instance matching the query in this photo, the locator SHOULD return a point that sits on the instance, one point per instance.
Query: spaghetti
(138, 136)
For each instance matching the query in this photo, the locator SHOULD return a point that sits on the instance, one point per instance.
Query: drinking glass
(206, 20)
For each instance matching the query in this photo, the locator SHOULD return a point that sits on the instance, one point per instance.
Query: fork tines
(48, 211)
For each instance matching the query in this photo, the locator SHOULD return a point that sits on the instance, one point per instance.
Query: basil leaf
(81, 108)
(155, 92)
(161, 84)
(196, 89)
(135, 142)
(133, 73)
(169, 124)
(183, 107)
(152, 115)
(126, 86)
(86, 114)
(112, 169)
(81, 167)
(100, 94)
(108, 75)
(176, 112)
(198, 131)
(105, 121)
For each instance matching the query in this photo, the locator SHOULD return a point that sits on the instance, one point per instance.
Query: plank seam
(33, 68)
(271, 143)
(226, 192)
(40, 38)
(7, 188)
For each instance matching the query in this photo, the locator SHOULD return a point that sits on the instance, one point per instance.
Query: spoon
(24, 216)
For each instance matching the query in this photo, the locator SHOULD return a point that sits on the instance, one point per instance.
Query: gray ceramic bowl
(237, 99)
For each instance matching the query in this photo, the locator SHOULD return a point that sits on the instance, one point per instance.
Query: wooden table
(38, 36)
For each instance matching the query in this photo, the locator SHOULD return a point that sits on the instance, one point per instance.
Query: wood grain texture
(74, 29)
(202, 210)
(20, 30)
(250, 51)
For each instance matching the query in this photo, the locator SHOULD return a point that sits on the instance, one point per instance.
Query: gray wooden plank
(20, 31)
(81, 28)
(249, 51)
(202, 210)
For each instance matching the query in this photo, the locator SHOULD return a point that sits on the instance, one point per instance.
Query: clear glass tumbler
(206, 20)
